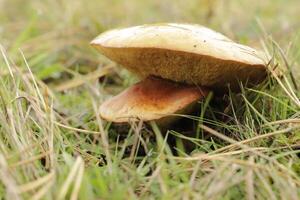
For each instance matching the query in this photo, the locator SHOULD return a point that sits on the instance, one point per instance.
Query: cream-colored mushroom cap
(151, 99)
(183, 52)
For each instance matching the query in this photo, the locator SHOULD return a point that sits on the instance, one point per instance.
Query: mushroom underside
(152, 99)
(186, 67)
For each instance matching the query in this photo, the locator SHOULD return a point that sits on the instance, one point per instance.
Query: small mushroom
(152, 99)
(177, 62)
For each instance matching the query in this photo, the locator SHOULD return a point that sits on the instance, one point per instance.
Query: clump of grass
(48, 152)
(53, 145)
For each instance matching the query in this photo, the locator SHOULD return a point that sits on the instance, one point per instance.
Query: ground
(54, 145)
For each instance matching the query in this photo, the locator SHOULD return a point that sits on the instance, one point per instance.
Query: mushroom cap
(183, 52)
(151, 99)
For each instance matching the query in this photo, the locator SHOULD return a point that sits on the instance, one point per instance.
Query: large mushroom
(178, 65)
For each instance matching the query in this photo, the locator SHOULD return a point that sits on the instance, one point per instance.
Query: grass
(53, 145)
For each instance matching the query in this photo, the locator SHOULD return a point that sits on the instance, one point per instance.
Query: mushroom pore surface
(186, 67)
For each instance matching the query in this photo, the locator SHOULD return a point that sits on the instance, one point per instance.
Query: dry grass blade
(36, 183)
(265, 184)
(37, 89)
(221, 158)
(243, 146)
(83, 79)
(6, 61)
(237, 152)
(7, 179)
(78, 181)
(250, 182)
(75, 169)
(40, 194)
(289, 92)
(26, 149)
(137, 129)
(284, 121)
(244, 163)
(259, 137)
(219, 187)
(30, 160)
(150, 180)
(194, 174)
(104, 138)
(77, 129)
(286, 64)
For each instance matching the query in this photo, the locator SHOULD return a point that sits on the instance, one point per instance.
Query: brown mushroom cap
(151, 99)
(184, 53)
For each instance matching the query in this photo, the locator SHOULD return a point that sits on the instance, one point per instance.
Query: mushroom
(152, 99)
(177, 64)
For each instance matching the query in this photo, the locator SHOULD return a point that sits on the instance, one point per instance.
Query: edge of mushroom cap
(153, 36)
